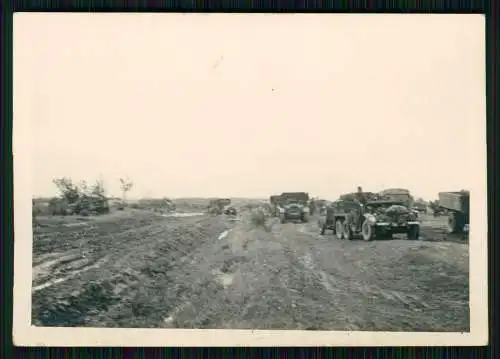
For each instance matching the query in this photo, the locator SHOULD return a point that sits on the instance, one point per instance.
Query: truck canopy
(298, 196)
(395, 191)
(455, 201)
(360, 196)
(220, 201)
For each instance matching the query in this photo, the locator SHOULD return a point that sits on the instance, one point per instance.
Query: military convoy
(372, 215)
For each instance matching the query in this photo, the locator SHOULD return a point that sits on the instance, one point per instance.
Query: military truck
(216, 206)
(376, 218)
(457, 205)
(327, 218)
(293, 206)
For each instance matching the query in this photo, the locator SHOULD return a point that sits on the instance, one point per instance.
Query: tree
(98, 189)
(125, 185)
(69, 191)
(80, 199)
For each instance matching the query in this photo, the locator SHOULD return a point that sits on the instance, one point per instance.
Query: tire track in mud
(59, 263)
(52, 282)
(351, 288)
(138, 256)
(339, 285)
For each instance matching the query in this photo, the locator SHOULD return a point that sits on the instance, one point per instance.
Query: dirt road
(143, 270)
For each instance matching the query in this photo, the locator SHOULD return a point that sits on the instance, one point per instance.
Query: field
(138, 268)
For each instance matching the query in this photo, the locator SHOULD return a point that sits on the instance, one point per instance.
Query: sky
(234, 105)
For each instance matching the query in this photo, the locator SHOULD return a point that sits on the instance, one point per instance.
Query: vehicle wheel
(456, 223)
(367, 231)
(452, 223)
(339, 229)
(413, 233)
(347, 231)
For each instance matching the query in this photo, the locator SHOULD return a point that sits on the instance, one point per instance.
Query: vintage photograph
(293, 173)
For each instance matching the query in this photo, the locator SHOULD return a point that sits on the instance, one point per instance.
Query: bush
(58, 207)
(79, 199)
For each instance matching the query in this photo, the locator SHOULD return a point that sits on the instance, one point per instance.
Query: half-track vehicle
(373, 219)
(293, 206)
(457, 206)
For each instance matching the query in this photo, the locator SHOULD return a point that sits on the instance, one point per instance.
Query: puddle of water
(223, 234)
(178, 214)
(43, 268)
(75, 224)
(64, 279)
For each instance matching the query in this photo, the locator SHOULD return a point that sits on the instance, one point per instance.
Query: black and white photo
(249, 179)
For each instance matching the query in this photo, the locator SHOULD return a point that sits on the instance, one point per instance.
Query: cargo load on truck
(402, 195)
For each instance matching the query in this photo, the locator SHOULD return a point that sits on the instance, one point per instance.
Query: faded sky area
(252, 105)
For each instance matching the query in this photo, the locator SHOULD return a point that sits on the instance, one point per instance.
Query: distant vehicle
(293, 206)
(420, 207)
(457, 205)
(436, 209)
(316, 204)
(372, 219)
(230, 211)
(216, 206)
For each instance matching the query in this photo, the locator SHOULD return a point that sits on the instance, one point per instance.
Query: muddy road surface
(140, 269)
